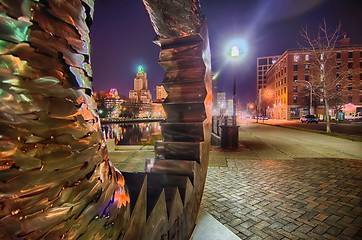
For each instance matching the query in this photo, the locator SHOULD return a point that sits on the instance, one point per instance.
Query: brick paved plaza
(285, 199)
(279, 184)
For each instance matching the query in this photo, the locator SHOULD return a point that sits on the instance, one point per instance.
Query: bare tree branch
(327, 77)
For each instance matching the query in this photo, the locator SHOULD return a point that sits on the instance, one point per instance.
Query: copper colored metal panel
(56, 179)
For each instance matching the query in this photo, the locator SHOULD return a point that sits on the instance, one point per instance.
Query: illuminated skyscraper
(140, 93)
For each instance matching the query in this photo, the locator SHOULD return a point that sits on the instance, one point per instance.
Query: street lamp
(311, 94)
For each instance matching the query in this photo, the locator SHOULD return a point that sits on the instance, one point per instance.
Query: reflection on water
(133, 133)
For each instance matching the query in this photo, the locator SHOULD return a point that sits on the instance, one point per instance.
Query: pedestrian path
(290, 198)
(286, 199)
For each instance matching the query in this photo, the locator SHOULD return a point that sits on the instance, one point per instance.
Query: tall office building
(140, 92)
(262, 66)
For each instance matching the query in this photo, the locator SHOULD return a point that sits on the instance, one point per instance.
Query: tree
(326, 75)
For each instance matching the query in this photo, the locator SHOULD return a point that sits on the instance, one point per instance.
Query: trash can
(229, 137)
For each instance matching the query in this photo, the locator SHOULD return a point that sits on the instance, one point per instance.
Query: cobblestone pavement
(286, 199)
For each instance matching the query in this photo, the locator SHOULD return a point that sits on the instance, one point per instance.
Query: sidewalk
(275, 199)
(286, 199)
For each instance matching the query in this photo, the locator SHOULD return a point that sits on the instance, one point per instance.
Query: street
(269, 142)
(286, 184)
(352, 130)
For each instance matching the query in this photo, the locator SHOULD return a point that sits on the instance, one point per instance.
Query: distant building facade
(262, 66)
(286, 94)
(221, 103)
(161, 93)
(230, 107)
(140, 92)
(110, 101)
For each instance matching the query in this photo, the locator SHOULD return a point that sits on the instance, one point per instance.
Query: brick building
(290, 79)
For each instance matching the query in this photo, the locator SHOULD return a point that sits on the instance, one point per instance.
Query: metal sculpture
(55, 177)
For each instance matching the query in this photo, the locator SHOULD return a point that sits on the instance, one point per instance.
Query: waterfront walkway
(273, 189)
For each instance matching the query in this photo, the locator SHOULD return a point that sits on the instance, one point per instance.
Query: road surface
(271, 142)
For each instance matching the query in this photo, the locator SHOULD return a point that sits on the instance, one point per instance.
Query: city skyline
(270, 28)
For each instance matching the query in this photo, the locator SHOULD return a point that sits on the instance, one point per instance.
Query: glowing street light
(235, 52)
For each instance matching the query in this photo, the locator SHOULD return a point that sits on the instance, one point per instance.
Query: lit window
(295, 99)
(307, 67)
(295, 89)
(296, 57)
(307, 57)
(322, 56)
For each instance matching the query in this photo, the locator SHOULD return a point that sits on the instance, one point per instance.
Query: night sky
(122, 36)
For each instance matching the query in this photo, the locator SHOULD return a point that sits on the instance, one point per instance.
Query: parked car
(309, 119)
(260, 117)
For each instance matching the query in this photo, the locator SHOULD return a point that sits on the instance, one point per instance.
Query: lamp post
(235, 53)
(311, 95)
(230, 134)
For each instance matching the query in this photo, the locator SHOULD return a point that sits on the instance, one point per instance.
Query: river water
(133, 133)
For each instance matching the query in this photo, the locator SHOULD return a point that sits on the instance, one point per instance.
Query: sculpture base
(209, 228)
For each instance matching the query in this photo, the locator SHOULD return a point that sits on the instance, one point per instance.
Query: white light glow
(235, 51)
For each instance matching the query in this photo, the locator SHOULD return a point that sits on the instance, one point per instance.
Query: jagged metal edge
(56, 180)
